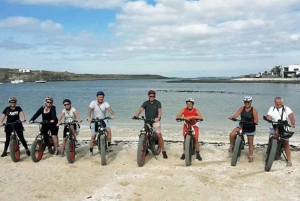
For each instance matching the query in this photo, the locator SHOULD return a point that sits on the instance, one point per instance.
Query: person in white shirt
(282, 112)
(98, 108)
(70, 114)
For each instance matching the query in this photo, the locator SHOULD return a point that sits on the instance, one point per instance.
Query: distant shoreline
(238, 80)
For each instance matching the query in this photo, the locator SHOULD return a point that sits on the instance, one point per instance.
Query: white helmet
(190, 100)
(247, 98)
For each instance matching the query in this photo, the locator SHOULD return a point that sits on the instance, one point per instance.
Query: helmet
(190, 100)
(100, 93)
(247, 98)
(49, 98)
(67, 101)
(12, 99)
(151, 92)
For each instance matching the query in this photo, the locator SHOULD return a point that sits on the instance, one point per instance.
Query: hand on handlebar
(135, 117)
(89, 119)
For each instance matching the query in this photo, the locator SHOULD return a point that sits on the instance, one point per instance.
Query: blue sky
(166, 37)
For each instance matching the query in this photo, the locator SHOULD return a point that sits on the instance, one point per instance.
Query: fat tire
(188, 150)
(14, 150)
(39, 151)
(236, 150)
(51, 148)
(271, 155)
(103, 149)
(278, 152)
(141, 150)
(70, 151)
(152, 146)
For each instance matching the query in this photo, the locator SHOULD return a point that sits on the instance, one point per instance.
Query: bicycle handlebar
(279, 122)
(13, 123)
(242, 121)
(66, 123)
(98, 120)
(181, 119)
(41, 122)
(146, 120)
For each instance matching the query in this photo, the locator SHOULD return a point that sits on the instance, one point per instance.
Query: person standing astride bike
(48, 112)
(153, 110)
(283, 113)
(249, 114)
(97, 109)
(70, 114)
(12, 114)
(191, 114)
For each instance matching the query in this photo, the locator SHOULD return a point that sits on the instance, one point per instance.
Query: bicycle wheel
(188, 150)
(278, 151)
(70, 151)
(14, 149)
(99, 143)
(103, 149)
(153, 147)
(51, 148)
(141, 151)
(271, 155)
(37, 150)
(236, 150)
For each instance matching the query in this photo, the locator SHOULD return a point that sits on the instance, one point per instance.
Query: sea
(216, 101)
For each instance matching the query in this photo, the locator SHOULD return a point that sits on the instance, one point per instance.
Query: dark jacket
(46, 117)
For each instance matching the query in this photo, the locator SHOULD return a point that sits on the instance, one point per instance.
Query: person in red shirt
(191, 114)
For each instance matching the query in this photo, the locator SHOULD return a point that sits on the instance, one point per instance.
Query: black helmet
(67, 101)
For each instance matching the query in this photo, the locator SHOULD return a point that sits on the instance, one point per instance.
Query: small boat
(40, 81)
(17, 82)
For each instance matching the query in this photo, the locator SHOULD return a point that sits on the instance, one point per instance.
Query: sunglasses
(49, 102)
(151, 96)
(66, 104)
(246, 102)
(12, 102)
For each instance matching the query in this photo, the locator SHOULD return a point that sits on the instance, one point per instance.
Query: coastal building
(291, 70)
(24, 70)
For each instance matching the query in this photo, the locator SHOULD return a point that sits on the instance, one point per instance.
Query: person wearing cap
(97, 109)
(248, 114)
(70, 114)
(153, 110)
(12, 113)
(191, 114)
(48, 112)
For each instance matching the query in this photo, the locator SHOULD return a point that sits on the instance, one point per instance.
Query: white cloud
(30, 24)
(85, 4)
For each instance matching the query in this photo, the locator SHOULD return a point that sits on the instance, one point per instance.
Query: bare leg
(63, 145)
(92, 141)
(73, 131)
(287, 150)
(108, 130)
(197, 146)
(161, 145)
(55, 142)
(231, 136)
(251, 146)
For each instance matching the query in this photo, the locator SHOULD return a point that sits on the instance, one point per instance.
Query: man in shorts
(153, 110)
(97, 109)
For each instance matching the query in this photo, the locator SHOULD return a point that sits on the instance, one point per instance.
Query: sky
(182, 38)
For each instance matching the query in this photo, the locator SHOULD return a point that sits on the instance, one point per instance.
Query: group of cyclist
(153, 110)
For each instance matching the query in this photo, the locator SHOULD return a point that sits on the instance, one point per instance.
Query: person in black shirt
(12, 114)
(249, 114)
(48, 112)
(153, 110)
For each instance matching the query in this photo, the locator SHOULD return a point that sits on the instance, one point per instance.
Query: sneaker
(4, 154)
(250, 159)
(56, 153)
(230, 149)
(147, 151)
(198, 157)
(27, 152)
(182, 157)
(289, 164)
(164, 155)
(89, 154)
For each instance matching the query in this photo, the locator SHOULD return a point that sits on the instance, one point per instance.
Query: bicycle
(71, 142)
(189, 148)
(39, 144)
(239, 141)
(147, 139)
(101, 138)
(275, 145)
(14, 144)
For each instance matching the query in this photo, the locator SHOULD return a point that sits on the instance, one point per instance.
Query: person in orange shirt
(191, 114)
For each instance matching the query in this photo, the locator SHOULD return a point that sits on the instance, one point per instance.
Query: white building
(24, 70)
(295, 68)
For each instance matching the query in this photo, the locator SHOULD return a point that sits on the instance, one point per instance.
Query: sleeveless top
(69, 114)
(248, 116)
(187, 113)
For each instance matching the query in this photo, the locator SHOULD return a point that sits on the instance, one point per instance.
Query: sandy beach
(53, 178)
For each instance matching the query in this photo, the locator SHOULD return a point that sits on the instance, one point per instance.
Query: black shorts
(52, 127)
(67, 130)
(18, 127)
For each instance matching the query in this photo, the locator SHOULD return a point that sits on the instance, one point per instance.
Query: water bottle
(272, 131)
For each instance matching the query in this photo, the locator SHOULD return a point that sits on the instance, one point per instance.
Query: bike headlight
(142, 130)
(101, 129)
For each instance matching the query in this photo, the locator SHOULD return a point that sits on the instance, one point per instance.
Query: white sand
(53, 178)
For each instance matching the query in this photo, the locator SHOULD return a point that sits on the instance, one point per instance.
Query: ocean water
(216, 101)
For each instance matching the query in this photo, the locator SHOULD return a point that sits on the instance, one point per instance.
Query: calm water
(216, 101)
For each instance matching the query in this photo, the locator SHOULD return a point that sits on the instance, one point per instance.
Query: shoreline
(239, 80)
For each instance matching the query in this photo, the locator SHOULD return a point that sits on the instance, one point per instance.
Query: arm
(179, 115)
(139, 112)
(236, 114)
(89, 117)
(159, 115)
(53, 113)
(292, 118)
(62, 114)
(111, 112)
(2, 119)
(198, 115)
(37, 114)
(255, 114)
(77, 116)
(22, 116)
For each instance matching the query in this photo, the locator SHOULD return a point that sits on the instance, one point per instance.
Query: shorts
(250, 133)
(157, 127)
(94, 130)
(194, 128)
(52, 127)
(76, 127)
